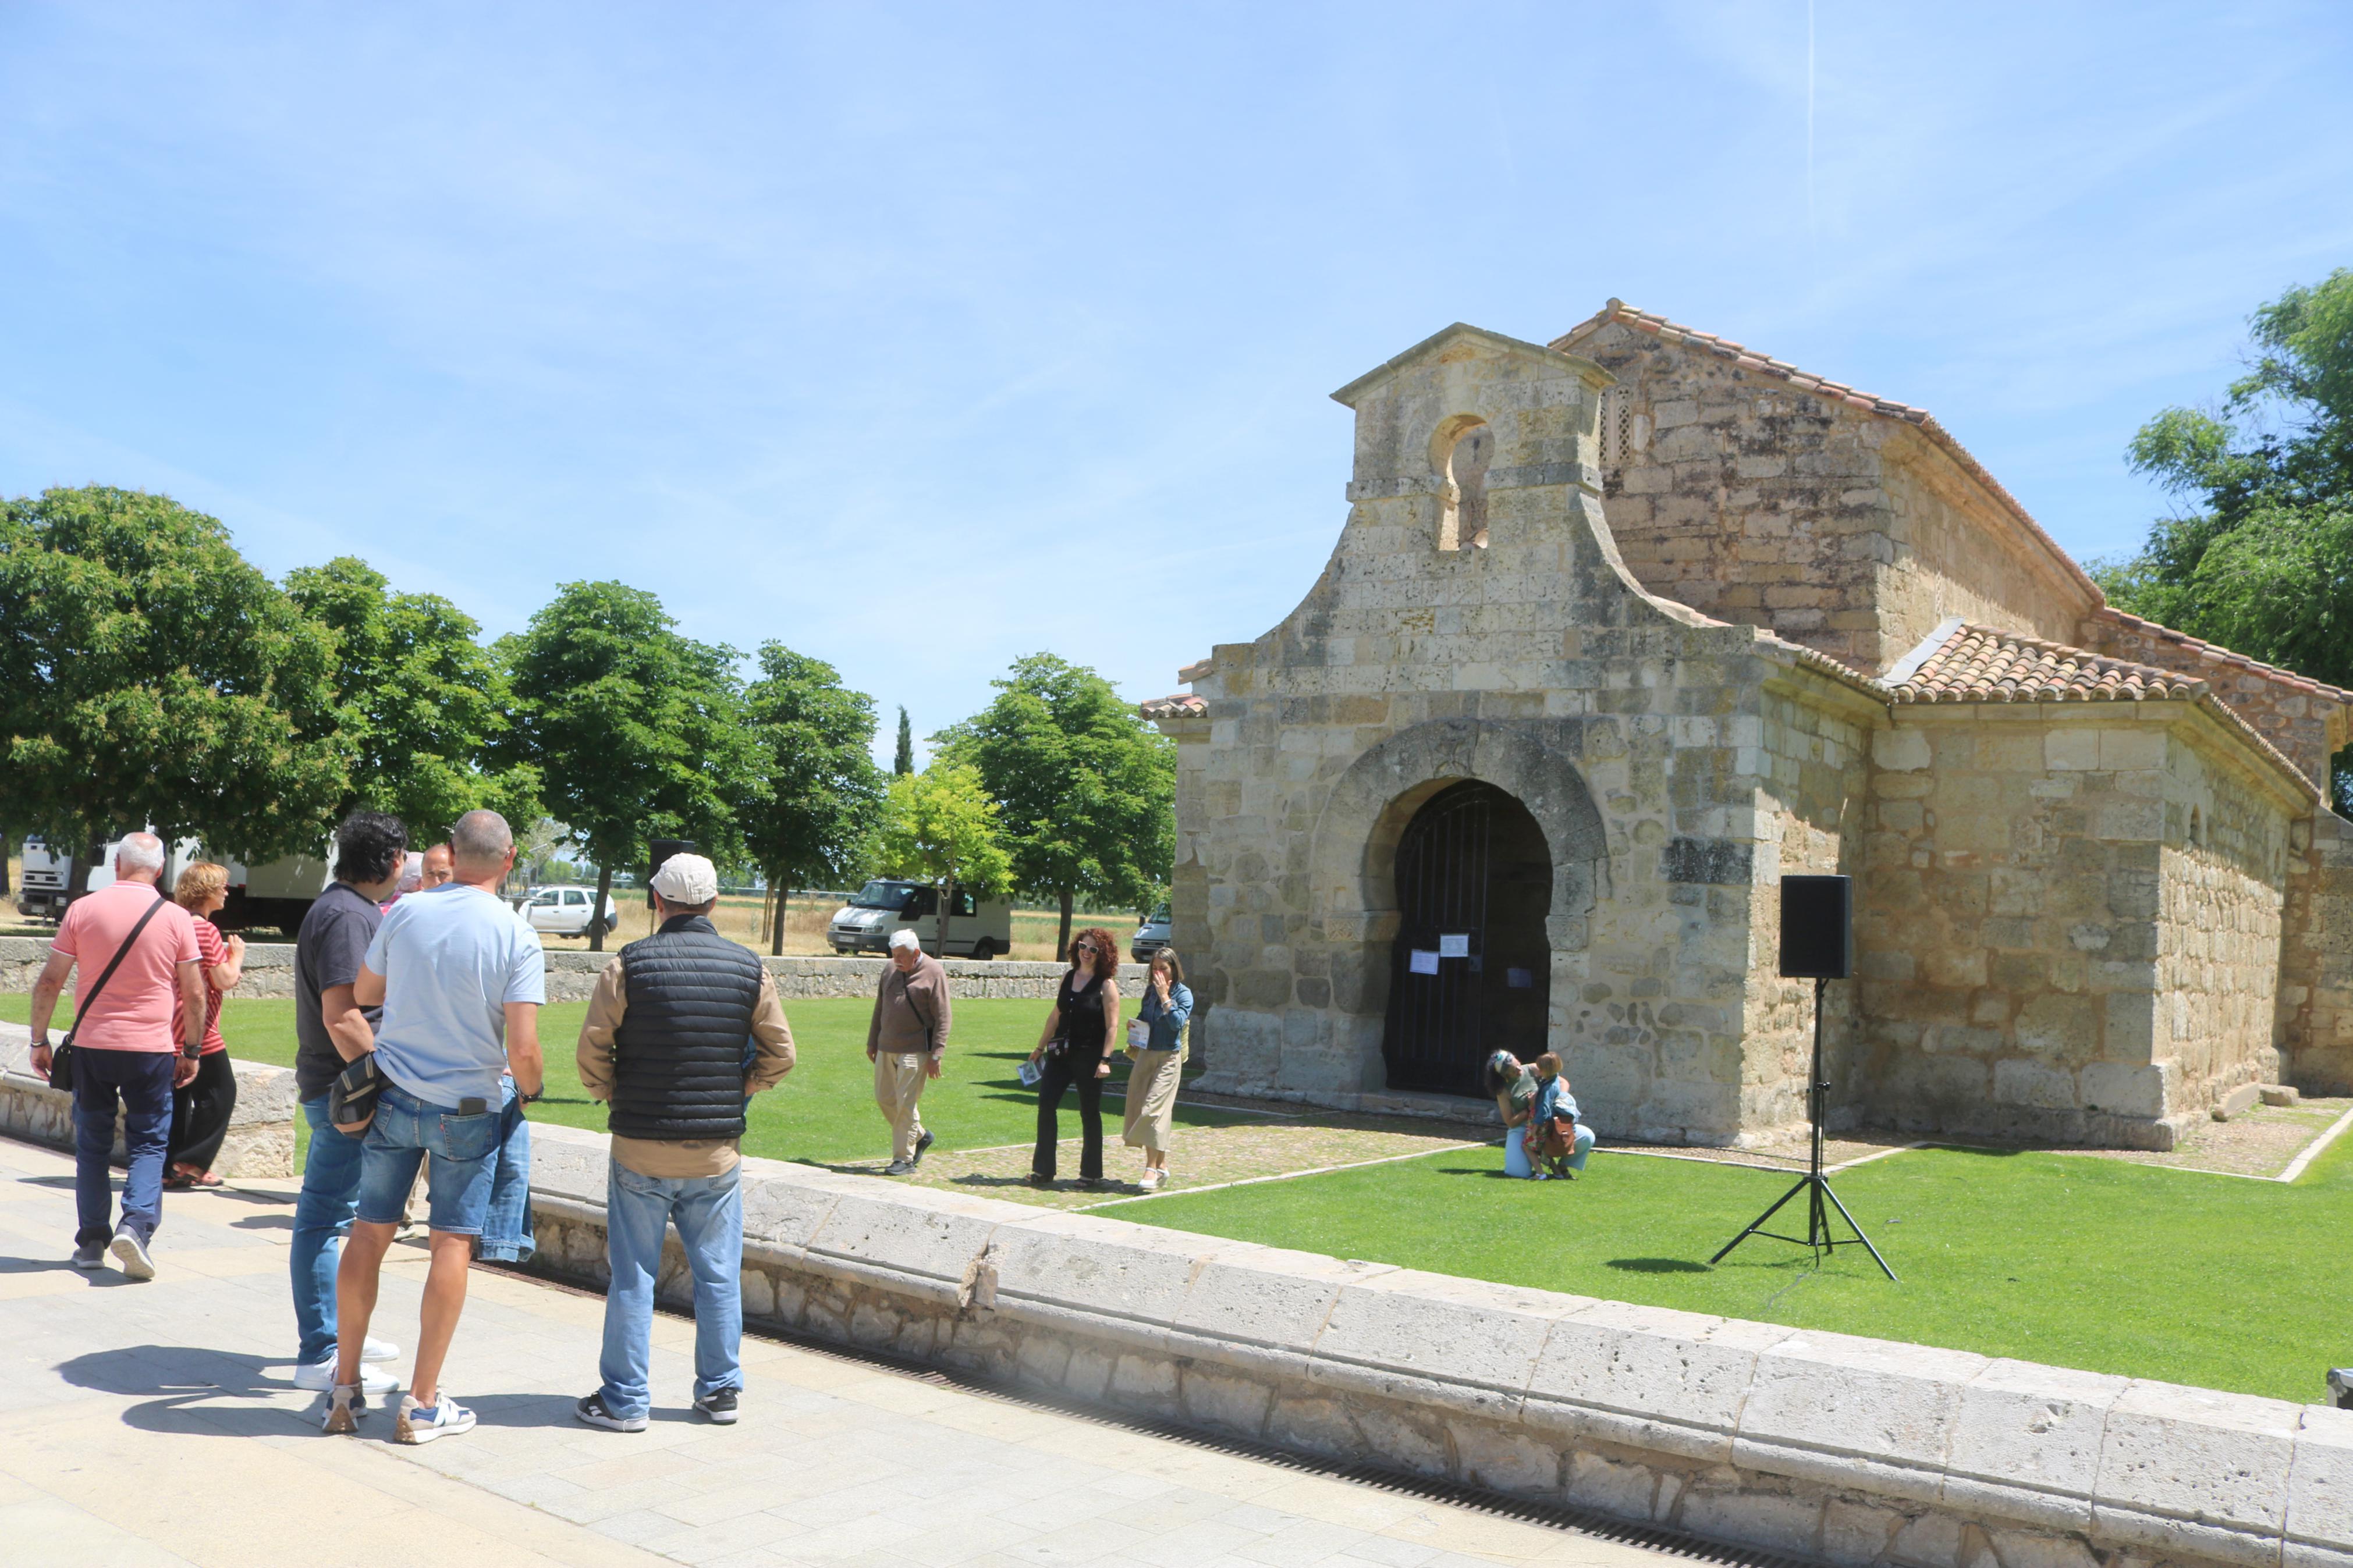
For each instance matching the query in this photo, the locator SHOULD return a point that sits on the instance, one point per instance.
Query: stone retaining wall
(571, 973)
(260, 1141)
(1850, 1450)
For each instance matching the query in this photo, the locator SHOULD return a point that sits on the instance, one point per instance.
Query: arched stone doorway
(1472, 969)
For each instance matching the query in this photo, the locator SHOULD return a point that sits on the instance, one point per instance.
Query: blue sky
(922, 337)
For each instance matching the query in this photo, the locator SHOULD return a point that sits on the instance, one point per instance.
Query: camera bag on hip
(351, 1099)
(61, 1061)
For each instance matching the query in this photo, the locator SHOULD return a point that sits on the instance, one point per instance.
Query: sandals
(180, 1179)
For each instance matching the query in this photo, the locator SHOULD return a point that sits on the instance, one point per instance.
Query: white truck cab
(977, 928)
(278, 893)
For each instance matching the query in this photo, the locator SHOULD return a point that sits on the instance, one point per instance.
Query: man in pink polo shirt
(124, 1045)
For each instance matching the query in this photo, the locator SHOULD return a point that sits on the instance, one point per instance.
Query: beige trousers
(1152, 1099)
(898, 1084)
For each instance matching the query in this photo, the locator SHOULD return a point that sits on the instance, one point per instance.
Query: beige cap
(687, 879)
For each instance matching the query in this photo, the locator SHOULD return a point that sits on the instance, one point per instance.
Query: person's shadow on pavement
(213, 1393)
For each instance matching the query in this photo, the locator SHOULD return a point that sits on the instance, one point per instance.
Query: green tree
(818, 794)
(903, 760)
(940, 827)
(1087, 789)
(2260, 556)
(634, 730)
(420, 703)
(150, 674)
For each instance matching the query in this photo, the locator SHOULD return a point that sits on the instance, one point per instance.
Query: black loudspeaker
(659, 850)
(1817, 928)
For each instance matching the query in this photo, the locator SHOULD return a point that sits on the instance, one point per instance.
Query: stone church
(1620, 630)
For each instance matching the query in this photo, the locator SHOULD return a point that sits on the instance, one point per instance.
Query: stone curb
(260, 1140)
(1848, 1449)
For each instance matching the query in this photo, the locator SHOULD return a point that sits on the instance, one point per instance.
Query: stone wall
(1824, 1446)
(2044, 953)
(2221, 890)
(1810, 819)
(571, 973)
(261, 1138)
(2315, 993)
(1833, 525)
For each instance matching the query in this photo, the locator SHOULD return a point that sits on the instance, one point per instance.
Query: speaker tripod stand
(1820, 1198)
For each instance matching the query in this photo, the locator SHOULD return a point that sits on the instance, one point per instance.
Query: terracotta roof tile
(2222, 658)
(1963, 663)
(1979, 664)
(1751, 360)
(1183, 705)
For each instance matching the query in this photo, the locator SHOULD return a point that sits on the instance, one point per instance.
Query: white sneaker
(424, 1422)
(1152, 1180)
(374, 1349)
(319, 1377)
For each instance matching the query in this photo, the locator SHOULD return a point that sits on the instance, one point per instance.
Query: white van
(977, 928)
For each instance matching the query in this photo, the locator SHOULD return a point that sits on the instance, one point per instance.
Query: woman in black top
(1074, 1050)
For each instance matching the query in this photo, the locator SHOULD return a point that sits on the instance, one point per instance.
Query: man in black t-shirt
(331, 1028)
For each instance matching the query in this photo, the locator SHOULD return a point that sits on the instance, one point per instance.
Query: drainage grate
(1454, 1494)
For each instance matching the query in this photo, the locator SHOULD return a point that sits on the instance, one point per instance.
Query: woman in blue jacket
(1158, 1061)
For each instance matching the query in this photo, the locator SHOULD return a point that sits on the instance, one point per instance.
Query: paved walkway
(155, 1424)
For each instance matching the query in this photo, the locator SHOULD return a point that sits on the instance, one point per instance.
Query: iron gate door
(1473, 877)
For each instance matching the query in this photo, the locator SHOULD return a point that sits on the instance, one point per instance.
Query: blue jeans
(506, 1227)
(464, 1148)
(322, 1218)
(709, 1213)
(142, 1081)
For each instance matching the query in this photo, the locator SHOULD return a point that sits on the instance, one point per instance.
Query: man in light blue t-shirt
(461, 977)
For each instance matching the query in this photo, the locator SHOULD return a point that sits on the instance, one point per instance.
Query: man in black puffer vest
(683, 1029)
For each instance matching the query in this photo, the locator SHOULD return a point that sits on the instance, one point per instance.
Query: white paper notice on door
(1454, 945)
(1424, 961)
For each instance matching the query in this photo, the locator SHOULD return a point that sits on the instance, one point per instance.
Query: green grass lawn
(823, 1111)
(2081, 1262)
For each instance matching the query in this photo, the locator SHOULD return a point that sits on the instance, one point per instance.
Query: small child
(1552, 1149)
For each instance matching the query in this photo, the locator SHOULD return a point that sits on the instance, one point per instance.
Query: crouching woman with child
(1544, 1138)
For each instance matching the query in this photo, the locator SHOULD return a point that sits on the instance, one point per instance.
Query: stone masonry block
(2026, 1442)
(1463, 1346)
(1826, 1406)
(2190, 1468)
(2123, 1088)
(1253, 1306)
(1648, 1377)
(1097, 1276)
(913, 1238)
(2320, 1491)
(1900, 750)
(2071, 750)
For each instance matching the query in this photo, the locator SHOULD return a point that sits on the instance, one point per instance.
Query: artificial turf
(2143, 1271)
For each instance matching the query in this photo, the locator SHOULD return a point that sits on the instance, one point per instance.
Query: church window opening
(1617, 430)
(1462, 522)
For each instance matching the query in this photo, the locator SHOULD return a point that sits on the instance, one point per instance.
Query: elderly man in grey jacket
(905, 1039)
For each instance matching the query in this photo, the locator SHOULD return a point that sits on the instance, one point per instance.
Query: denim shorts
(464, 1151)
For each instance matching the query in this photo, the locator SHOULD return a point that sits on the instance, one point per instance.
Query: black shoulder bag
(61, 1061)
